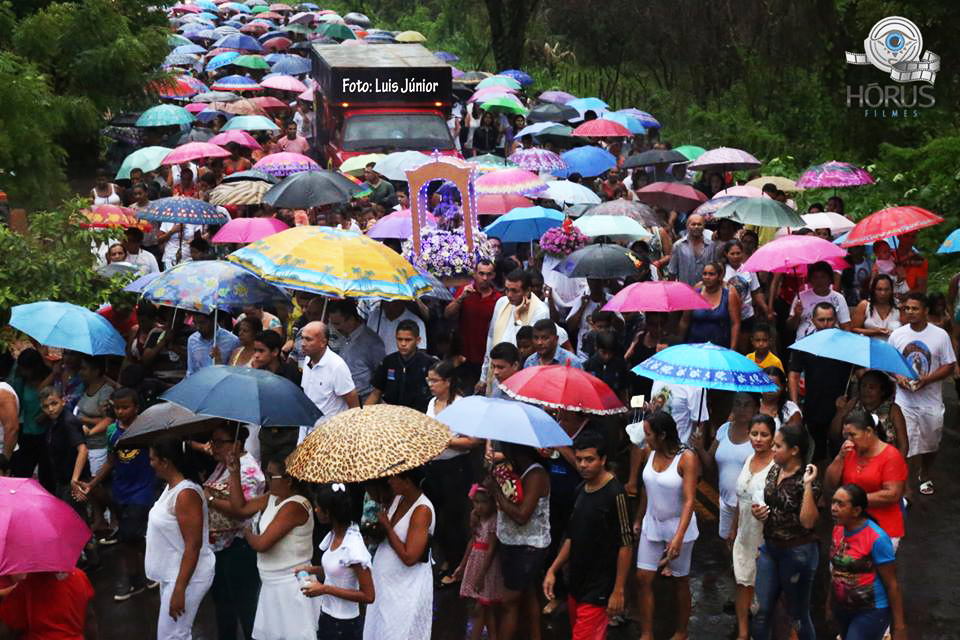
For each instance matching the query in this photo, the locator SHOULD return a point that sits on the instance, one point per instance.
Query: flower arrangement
(444, 253)
(561, 241)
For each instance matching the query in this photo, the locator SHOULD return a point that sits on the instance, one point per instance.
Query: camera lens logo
(894, 46)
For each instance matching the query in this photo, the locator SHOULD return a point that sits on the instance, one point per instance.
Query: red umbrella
(894, 221)
(674, 196)
(270, 15)
(500, 204)
(255, 28)
(277, 44)
(600, 128)
(664, 295)
(112, 216)
(269, 102)
(561, 386)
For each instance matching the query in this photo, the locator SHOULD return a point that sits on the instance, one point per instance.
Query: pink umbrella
(671, 195)
(490, 93)
(741, 191)
(791, 251)
(277, 44)
(664, 295)
(724, 159)
(500, 204)
(537, 160)
(285, 163)
(38, 532)
(269, 102)
(247, 230)
(306, 95)
(195, 151)
(283, 83)
(834, 175)
(235, 136)
(304, 17)
(195, 107)
(398, 224)
(601, 128)
(510, 181)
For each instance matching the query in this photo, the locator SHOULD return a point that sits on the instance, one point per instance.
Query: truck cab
(380, 98)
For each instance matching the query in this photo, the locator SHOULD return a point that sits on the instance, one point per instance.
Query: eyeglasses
(275, 477)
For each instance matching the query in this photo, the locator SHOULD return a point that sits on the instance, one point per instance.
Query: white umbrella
(564, 191)
(625, 226)
(828, 220)
(396, 165)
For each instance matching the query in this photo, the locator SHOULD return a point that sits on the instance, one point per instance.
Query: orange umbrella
(111, 216)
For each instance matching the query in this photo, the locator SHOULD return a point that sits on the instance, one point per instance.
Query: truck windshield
(396, 131)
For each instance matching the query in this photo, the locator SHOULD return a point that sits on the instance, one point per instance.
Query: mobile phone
(638, 402)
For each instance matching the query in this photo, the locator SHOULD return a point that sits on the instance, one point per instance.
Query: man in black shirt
(598, 545)
(402, 376)
(275, 441)
(66, 447)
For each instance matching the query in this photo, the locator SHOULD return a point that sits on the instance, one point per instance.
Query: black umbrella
(195, 135)
(439, 291)
(251, 174)
(654, 156)
(311, 189)
(552, 112)
(600, 261)
(358, 19)
(166, 419)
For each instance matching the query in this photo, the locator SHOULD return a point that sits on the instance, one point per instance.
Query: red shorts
(588, 621)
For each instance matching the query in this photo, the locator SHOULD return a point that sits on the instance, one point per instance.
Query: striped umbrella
(724, 159)
(510, 181)
(285, 164)
(235, 83)
(164, 115)
(180, 209)
(537, 160)
(243, 192)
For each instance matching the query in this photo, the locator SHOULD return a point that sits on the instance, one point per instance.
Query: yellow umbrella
(243, 192)
(365, 443)
(357, 164)
(332, 262)
(784, 184)
(410, 36)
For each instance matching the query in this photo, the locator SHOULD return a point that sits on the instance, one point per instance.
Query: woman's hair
(31, 366)
(95, 362)
(861, 420)
(337, 503)
(796, 436)
(887, 387)
(255, 326)
(447, 370)
(730, 244)
(174, 450)
(872, 300)
(514, 452)
(717, 267)
(858, 497)
(820, 267)
(235, 430)
(764, 419)
(295, 485)
(777, 372)
(115, 244)
(663, 427)
(416, 475)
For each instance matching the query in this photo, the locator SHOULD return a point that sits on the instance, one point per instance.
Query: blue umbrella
(208, 5)
(221, 60)
(67, 326)
(238, 41)
(188, 48)
(245, 394)
(951, 244)
(588, 161)
(446, 56)
(180, 59)
(504, 420)
(137, 285)
(291, 65)
(645, 118)
(588, 104)
(205, 34)
(628, 121)
(164, 115)
(251, 123)
(862, 351)
(226, 30)
(520, 76)
(524, 224)
(705, 365)
(180, 209)
(273, 34)
(208, 285)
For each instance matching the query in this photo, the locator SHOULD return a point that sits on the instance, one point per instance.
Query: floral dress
(224, 529)
(492, 589)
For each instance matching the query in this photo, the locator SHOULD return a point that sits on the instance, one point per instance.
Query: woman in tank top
(104, 191)
(668, 529)
(720, 324)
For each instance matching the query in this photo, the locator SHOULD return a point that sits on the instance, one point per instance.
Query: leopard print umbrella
(366, 443)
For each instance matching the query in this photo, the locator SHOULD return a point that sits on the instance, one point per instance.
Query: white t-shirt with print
(926, 351)
(809, 300)
(685, 403)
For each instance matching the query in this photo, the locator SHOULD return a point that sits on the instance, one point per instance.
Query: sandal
(926, 488)
(447, 581)
(550, 607)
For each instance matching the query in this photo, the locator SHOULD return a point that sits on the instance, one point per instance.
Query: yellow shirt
(770, 361)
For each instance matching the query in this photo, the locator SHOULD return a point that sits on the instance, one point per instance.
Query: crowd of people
(281, 559)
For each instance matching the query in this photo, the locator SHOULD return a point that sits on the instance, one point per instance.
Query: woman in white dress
(746, 531)
(877, 316)
(178, 554)
(284, 542)
(402, 575)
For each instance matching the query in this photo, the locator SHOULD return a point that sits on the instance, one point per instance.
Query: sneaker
(108, 539)
(125, 593)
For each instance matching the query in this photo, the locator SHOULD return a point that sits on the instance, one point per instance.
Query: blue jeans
(862, 625)
(787, 571)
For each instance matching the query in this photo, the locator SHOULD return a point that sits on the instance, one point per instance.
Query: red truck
(380, 98)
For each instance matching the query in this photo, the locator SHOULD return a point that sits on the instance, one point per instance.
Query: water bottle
(304, 578)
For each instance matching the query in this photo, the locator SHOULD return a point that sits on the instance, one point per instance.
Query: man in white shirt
(177, 237)
(9, 419)
(518, 308)
(928, 350)
(326, 377)
(820, 278)
(133, 242)
(383, 317)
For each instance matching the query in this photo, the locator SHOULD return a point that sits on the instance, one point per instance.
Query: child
(608, 363)
(760, 339)
(886, 264)
(525, 342)
(479, 571)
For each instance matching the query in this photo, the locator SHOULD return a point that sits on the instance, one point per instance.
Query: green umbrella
(504, 104)
(146, 159)
(691, 152)
(251, 123)
(761, 212)
(337, 31)
(499, 81)
(260, 9)
(175, 40)
(299, 29)
(164, 115)
(250, 62)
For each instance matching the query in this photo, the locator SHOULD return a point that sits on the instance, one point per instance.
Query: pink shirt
(297, 145)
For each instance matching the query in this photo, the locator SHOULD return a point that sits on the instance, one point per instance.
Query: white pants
(182, 627)
(97, 458)
(727, 514)
(650, 552)
(924, 429)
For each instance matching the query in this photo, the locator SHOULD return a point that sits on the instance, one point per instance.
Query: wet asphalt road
(926, 562)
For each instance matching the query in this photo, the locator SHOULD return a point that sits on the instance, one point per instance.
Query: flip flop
(927, 488)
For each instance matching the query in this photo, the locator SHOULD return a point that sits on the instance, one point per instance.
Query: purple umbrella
(456, 72)
(645, 118)
(447, 57)
(561, 97)
(285, 164)
(724, 159)
(833, 175)
(398, 224)
(537, 160)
